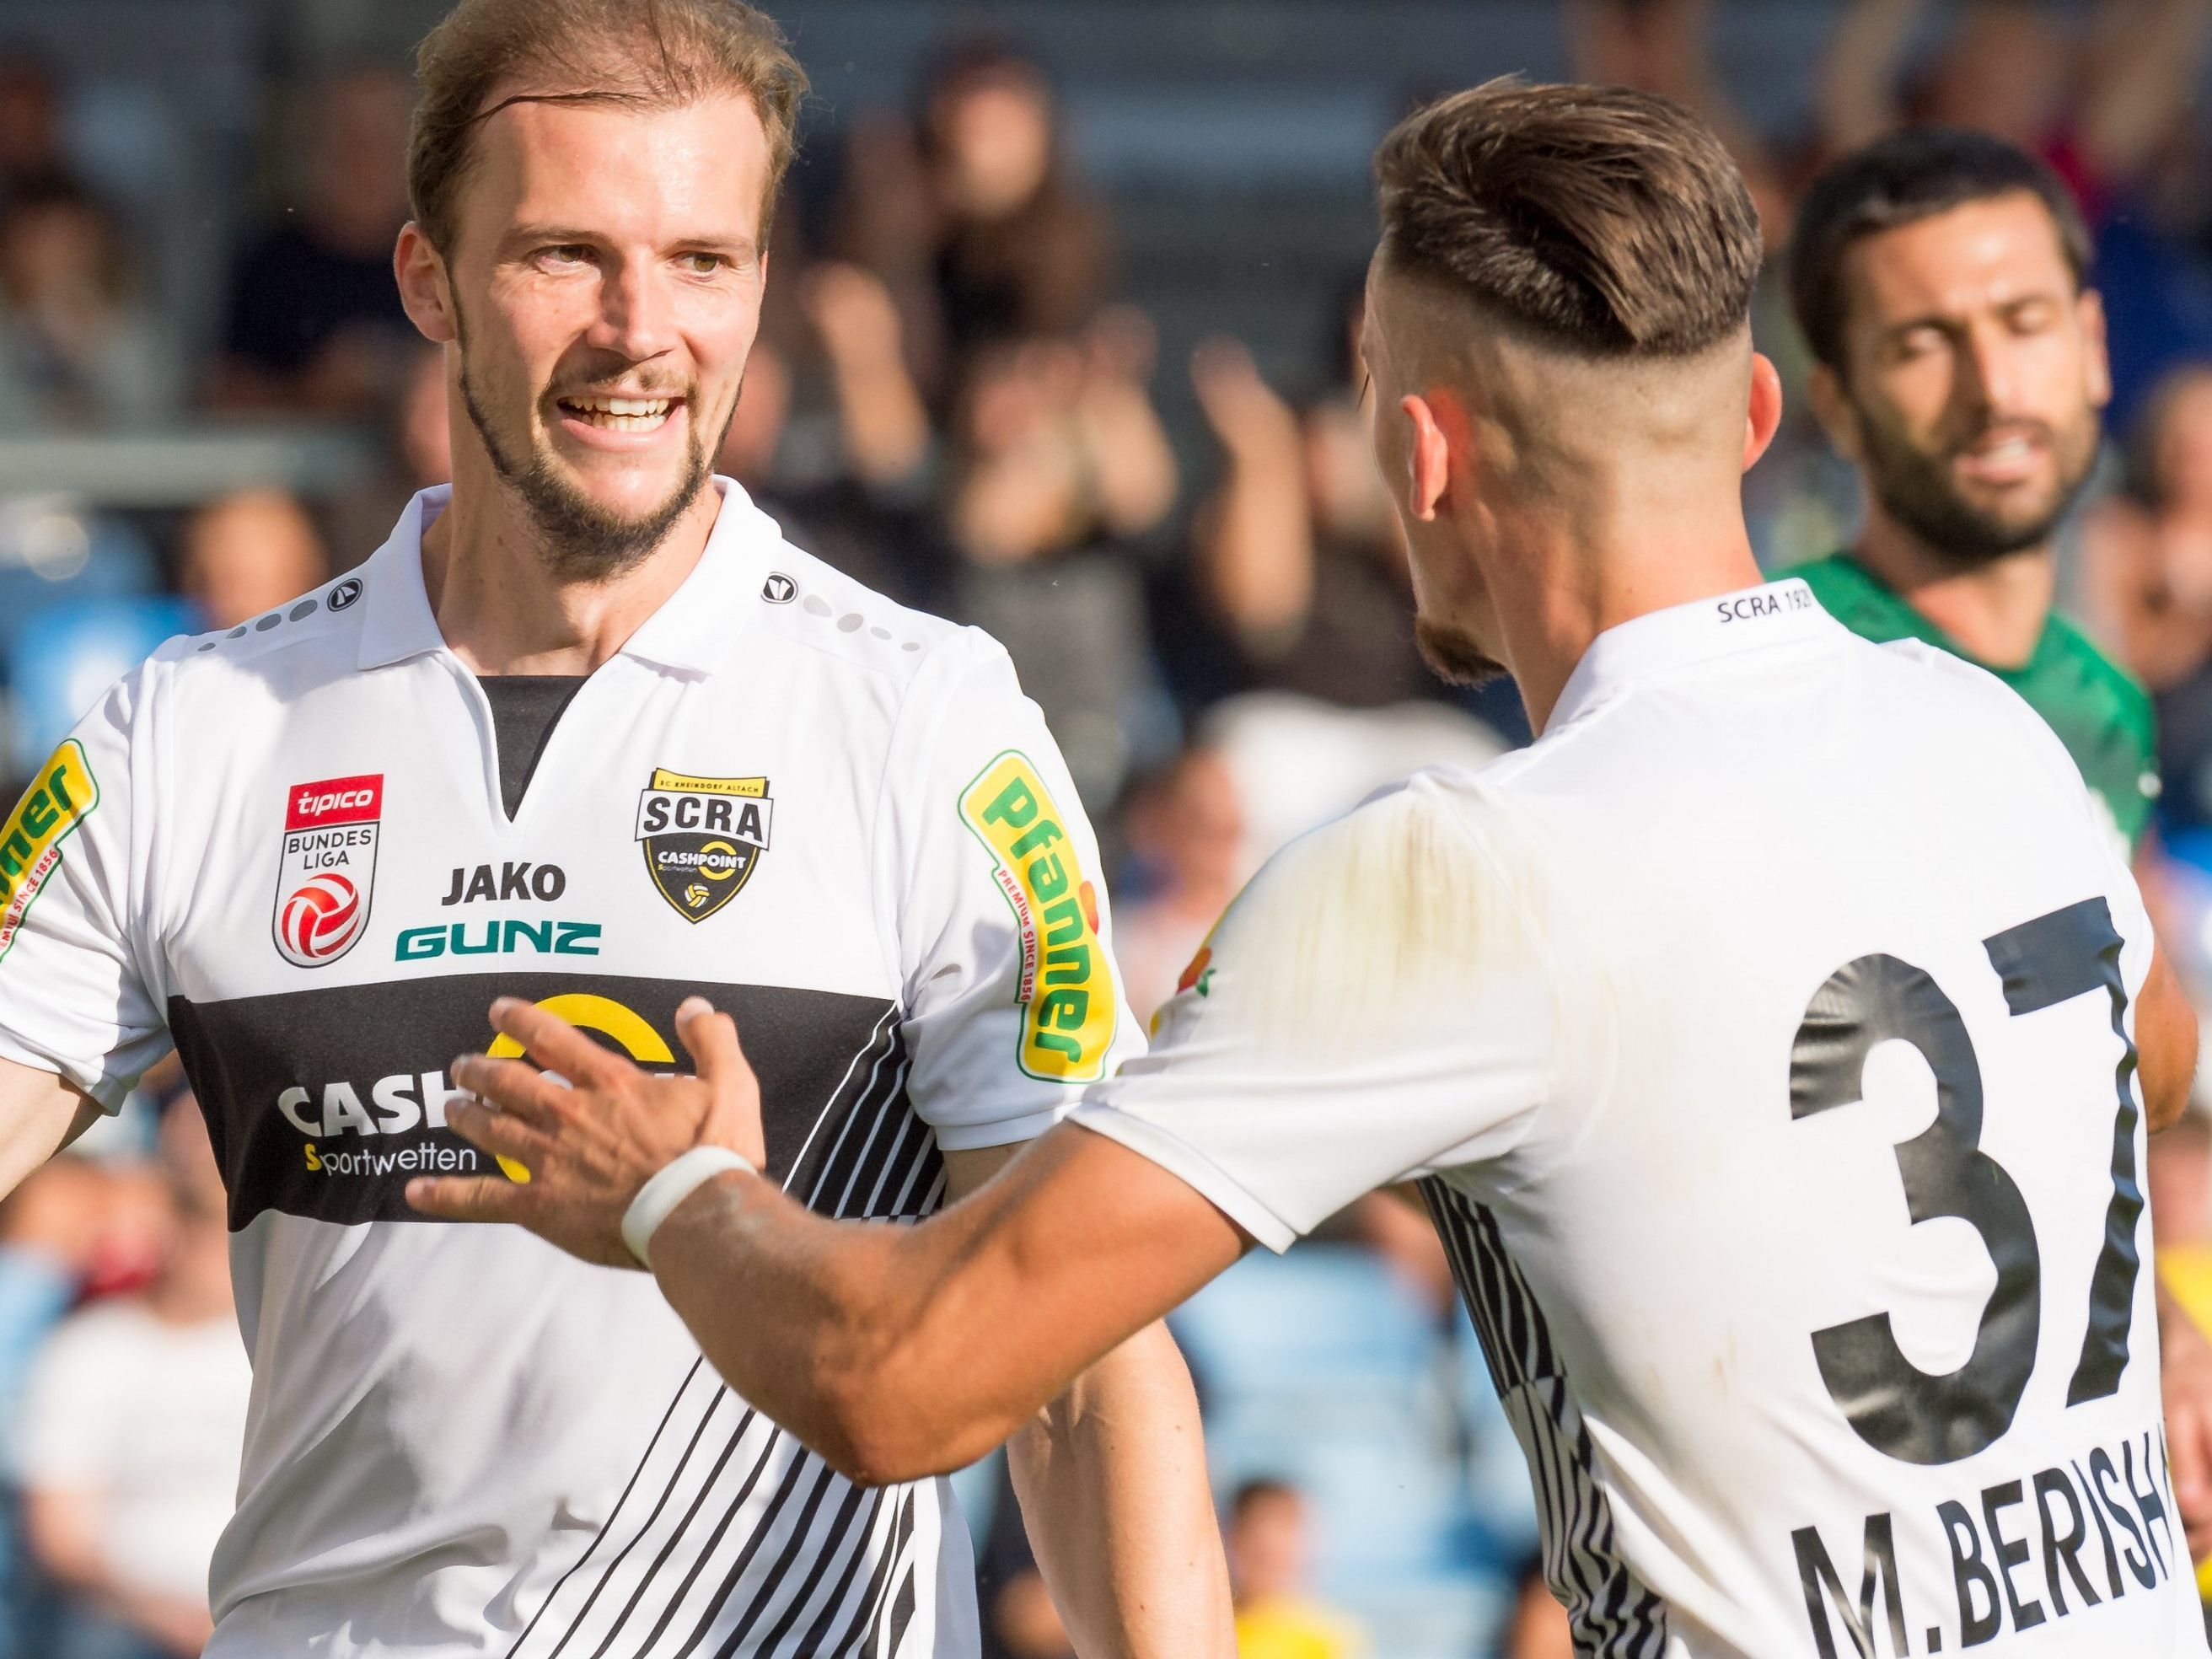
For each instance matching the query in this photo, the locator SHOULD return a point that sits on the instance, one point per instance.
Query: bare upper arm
(965, 1171)
(39, 1115)
(2166, 1044)
(1076, 1246)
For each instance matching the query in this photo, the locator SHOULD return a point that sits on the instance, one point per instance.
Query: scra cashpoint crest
(702, 837)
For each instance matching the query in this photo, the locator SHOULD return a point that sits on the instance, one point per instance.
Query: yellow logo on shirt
(60, 798)
(1067, 990)
(592, 1013)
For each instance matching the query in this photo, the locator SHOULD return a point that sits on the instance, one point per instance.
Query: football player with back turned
(1773, 1038)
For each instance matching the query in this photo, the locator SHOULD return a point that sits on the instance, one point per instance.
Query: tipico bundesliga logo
(327, 875)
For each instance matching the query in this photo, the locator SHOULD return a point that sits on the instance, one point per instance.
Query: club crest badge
(327, 874)
(702, 837)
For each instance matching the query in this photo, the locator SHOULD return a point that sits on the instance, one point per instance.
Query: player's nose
(636, 318)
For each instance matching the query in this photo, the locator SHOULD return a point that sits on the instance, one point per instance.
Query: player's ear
(2097, 365)
(420, 270)
(1832, 407)
(1428, 457)
(1764, 414)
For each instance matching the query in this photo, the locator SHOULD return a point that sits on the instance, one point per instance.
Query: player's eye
(2033, 317)
(701, 264)
(565, 253)
(1916, 342)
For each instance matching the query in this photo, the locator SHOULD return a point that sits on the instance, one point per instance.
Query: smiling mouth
(619, 414)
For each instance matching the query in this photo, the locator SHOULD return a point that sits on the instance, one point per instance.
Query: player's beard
(1453, 654)
(579, 540)
(1914, 486)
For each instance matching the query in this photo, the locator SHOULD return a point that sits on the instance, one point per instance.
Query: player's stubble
(1914, 485)
(579, 540)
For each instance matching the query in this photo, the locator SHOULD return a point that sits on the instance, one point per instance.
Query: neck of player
(1996, 612)
(502, 612)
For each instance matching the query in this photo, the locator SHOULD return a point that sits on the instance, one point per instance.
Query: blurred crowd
(952, 399)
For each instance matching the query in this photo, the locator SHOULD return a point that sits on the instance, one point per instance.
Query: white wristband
(677, 1180)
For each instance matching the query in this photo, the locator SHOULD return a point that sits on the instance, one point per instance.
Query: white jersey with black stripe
(1761, 1040)
(286, 850)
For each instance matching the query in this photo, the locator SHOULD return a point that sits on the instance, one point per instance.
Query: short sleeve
(1374, 1006)
(1012, 1003)
(72, 999)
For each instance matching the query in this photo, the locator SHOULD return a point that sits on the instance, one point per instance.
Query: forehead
(1975, 255)
(698, 168)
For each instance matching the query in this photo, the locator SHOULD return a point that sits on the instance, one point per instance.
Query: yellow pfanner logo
(1066, 988)
(62, 797)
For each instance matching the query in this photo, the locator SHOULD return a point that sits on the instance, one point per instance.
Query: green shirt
(2102, 716)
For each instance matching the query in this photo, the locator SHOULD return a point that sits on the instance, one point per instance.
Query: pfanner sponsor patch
(1067, 989)
(61, 798)
(326, 876)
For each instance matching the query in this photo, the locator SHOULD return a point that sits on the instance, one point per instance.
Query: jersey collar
(1748, 619)
(691, 632)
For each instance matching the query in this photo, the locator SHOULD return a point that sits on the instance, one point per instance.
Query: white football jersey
(286, 847)
(1761, 1040)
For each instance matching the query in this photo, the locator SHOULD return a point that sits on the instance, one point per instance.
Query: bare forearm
(1858, 101)
(1112, 1486)
(1258, 560)
(863, 1341)
(886, 430)
(39, 1115)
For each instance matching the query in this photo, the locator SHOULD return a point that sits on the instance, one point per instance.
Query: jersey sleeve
(1012, 1004)
(73, 998)
(1374, 1007)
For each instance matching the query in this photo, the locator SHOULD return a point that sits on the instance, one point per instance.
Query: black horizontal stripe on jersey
(1613, 1615)
(342, 1045)
(681, 1567)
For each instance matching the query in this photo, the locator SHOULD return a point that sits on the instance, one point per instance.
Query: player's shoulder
(1443, 825)
(317, 632)
(2124, 695)
(810, 602)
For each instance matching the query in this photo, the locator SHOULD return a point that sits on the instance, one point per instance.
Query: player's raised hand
(582, 1135)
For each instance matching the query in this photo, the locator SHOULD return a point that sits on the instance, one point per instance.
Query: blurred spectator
(132, 1429)
(1540, 1629)
(244, 554)
(886, 220)
(2108, 104)
(2148, 583)
(1022, 249)
(30, 123)
(1270, 1545)
(416, 452)
(315, 322)
(869, 514)
(2098, 108)
(1299, 552)
(880, 414)
(1059, 465)
(76, 347)
(1185, 833)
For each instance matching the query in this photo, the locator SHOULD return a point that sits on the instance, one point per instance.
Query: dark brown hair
(649, 54)
(1909, 176)
(1605, 221)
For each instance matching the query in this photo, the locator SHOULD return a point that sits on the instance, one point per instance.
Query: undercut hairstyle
(1899, 181)
(1609, 223)
(641, 54)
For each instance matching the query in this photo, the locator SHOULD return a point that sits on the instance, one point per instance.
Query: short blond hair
(647, 54)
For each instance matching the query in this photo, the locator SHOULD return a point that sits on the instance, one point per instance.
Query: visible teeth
(620, 405)
(620, 414)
